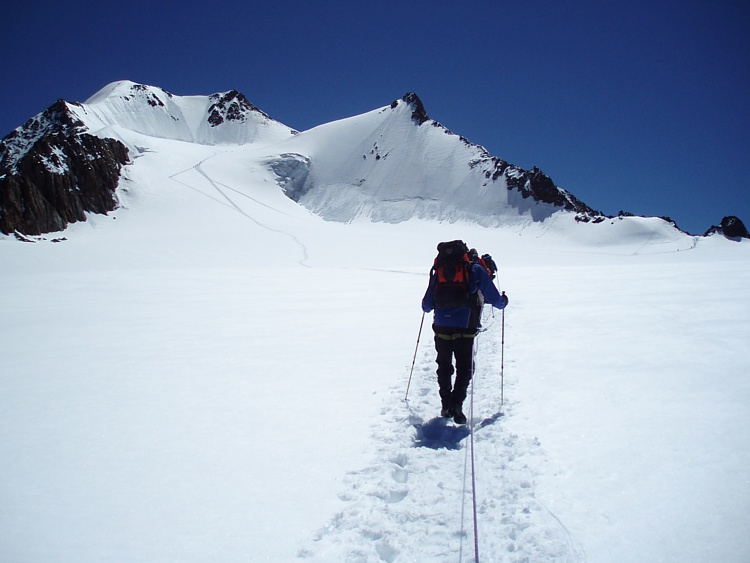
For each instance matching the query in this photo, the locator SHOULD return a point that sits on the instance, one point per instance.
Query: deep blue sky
(642, 106)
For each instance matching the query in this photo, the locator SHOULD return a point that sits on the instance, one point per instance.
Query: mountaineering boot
(446, 401)
(458, 415)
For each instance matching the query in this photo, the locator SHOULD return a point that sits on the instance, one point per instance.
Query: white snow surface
(215, 373)
(382, 165)
(151, 111)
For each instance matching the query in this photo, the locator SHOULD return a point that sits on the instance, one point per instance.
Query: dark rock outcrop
(535, 184)
(530, 183)
(230, 106)
(144, 92)
(730, 227)
(418, 114)
(52, 171)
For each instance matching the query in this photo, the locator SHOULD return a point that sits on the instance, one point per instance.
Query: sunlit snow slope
(217, 372)
(219, 119)
(391, 164)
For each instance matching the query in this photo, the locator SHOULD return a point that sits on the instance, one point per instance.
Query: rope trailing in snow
(473, 465)
(502, 360)
(471, 430)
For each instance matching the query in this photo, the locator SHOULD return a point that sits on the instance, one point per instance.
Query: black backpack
(450, 274)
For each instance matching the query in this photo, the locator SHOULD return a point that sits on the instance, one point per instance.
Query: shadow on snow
(438, 433)
(491, 420)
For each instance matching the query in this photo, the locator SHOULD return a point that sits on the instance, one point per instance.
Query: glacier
(216, 369)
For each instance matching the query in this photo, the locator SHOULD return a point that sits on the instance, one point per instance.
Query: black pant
(462, 347)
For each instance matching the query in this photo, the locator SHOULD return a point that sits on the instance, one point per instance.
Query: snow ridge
(390, 165)
(219, 119)
(395, 163)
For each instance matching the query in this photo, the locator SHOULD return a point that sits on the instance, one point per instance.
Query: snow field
(168, 396)
(181, 412)
(641, 389)
(163, 419)
(213, 372)
(414, 501)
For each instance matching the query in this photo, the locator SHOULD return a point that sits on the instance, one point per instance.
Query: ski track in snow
(229, 202)
(424, 460)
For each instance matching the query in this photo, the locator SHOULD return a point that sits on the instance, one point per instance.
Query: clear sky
(642, 106)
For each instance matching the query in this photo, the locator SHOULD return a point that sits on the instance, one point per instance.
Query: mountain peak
(401, 171)
(418, 112)
(131, 91)
(222, 118)
(230, 106)
(56, 119)
(731, 227)
(52, 171)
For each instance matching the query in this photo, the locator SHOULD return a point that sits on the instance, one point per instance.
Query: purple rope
(473, 469)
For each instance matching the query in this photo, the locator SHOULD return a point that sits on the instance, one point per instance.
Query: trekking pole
(496, 281)
(502, 359)
(419, 335)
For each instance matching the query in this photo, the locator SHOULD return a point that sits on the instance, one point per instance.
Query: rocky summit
(53, 171)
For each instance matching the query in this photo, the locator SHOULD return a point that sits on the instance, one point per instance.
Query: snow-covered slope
(218, 119)
(212, 372)
(391, 164)
(395, 163)
(68, 159)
